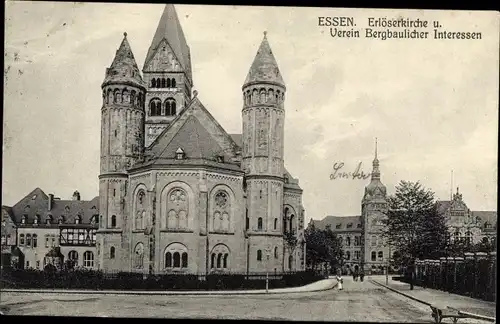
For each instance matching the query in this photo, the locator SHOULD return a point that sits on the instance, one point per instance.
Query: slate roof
(264, 66)
(169, 28)
(124, 67)
(342, 220)
(37, 202)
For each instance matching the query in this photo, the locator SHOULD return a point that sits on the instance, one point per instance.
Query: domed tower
(122, 146)
(263, 131)
(374, 210)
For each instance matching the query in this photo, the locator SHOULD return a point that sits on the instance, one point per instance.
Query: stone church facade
(177, 192)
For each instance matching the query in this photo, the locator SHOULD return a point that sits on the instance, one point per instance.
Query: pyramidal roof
(264, 66)
(169, 28)
(124, 67)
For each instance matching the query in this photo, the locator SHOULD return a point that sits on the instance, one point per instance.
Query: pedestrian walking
(340, 281)
(362, 276)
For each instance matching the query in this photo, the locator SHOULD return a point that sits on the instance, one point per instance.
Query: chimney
(76, 195)
(51, 201)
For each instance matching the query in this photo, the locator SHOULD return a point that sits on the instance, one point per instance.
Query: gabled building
(44, 222)
(177, 193)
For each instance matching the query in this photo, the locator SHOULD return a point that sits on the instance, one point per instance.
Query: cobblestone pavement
(359, 301)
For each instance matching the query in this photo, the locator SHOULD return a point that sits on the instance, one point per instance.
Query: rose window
(221, 200)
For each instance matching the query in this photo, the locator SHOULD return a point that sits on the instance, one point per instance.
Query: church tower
(374, 209)
(167, 74)
(122, 146)
(263, 131)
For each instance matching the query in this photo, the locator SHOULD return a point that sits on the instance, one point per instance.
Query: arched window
(153, 83)
(112, 252)
(247, 219)
(219, 257)
(140, 212)
(292, 223)
(219, 260)
(348, 255)
(259, 224)
(21, 239)
(132, 98)
(139, 256)
(374, 240)
(259, 255)
(35, 240)
(109, 96)
(348, 241)
(116, 96)
(275, 224)
(48, 220)
(177, 260)
(28, 240)
(173, 83)
(380, 254)
(374, 256)
(158, 83)
(176, 256)
(113, 221)
(168, 260)
(78, 219)
(73, 257)
(88, 259)
(155, 107)
(285, 219)
(170, 107)
(212, 263)
(275, 252)
(37, 219)
(168, 83)
(163, 82)
(222, 208)
(177, 206)
(468, 237)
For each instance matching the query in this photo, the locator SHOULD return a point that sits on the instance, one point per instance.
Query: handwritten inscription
(337, 173)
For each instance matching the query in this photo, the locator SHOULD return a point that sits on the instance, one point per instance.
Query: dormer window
(61, 220)
(66, 209)
(338, 226)
(23, 220)
(78, 220)
(220, 159)
(37, 219)
(34, 197)
(48, 220)
(179, 154)
(349, 225)
(286, 180)
(359, 225)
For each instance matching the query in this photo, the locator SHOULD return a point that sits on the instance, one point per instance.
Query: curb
(477, 316)
(401, 293)
(171, 293)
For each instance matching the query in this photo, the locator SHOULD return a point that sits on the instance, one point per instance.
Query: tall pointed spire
(264, 66)
(124, 67)
(170, 30)
(376, 171)
(375, 189)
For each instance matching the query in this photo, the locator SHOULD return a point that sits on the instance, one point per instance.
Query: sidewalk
(441, 298)
(325, 284)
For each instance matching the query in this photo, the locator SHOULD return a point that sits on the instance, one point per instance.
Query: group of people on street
(355, 275)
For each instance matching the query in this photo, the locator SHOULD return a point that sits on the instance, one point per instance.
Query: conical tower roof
(124, 68)
(264, 67)
(375, 189)
(169, 29)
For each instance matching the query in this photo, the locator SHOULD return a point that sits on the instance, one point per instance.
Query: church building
(177, 193)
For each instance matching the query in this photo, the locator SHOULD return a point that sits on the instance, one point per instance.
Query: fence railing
(98, 280)
(473, 275)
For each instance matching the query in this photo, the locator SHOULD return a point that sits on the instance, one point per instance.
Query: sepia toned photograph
(249, 163)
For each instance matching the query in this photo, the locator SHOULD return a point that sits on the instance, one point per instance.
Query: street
(359, 301)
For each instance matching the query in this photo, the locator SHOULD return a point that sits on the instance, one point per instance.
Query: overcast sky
(433, 104)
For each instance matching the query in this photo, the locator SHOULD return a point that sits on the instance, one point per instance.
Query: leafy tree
(413, 226)
(322, 247)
